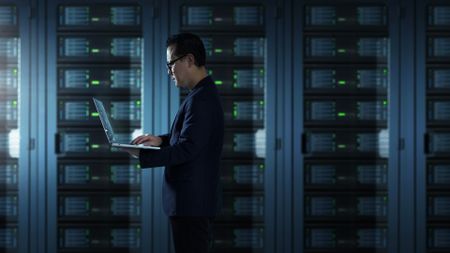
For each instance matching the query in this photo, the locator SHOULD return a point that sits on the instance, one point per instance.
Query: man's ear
(191, 59)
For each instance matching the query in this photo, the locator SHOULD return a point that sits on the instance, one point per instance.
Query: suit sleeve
(193, 139)
(165, 140)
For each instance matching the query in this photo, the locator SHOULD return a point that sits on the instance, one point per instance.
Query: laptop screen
(105, 120)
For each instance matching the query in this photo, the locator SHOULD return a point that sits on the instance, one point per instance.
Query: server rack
(14, 126)
(344, 112)
(98, 188)
(434, 165)
(234, 36)
(10, 72)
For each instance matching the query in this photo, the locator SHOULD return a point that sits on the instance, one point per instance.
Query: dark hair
(188, 43)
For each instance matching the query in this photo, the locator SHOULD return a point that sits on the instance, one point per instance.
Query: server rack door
(14, 94)
(95, 190)
(234, 35)
(433, 82)
(344, 118)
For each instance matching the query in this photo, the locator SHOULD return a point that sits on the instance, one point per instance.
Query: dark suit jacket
(191, 153)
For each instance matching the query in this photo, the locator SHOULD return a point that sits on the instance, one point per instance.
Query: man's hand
(147, 140)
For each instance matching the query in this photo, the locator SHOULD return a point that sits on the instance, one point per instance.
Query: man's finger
(143, 139)
(138, 139)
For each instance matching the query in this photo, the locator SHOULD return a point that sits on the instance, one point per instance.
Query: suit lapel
(177, 117)
(180, 111)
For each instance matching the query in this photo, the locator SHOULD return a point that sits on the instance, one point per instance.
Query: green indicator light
(15, 72)
(235, 76)
(95, 146)
(94, 114)
(342, 114)
(342, 50)
(95, 19)
(261, 102)
(261, 71)
(261, 166)
(342, 82)
(138, 102)
(342, 146)
(235, 113)
(385, 71)
(95, 82)
(218, 82)
(95, 50)
(218, 50)
(235, 85)
(385, 102)
(138, 166)
(210, 72)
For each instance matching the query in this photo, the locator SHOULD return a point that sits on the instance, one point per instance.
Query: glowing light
(260, 143)
(14, 143)
(136, 133)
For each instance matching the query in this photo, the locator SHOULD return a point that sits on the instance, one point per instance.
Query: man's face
(176, 68)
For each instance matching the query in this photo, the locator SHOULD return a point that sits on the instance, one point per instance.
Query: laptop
(109, 130)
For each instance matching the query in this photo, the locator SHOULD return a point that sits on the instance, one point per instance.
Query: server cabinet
(9, 118)
(433, 85)
(14, 95)
(96, 51)
(344, 119)
(236, 43)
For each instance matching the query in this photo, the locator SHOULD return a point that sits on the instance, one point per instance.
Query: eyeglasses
(172, 62)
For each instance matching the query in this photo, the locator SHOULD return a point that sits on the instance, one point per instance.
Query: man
(191, 151)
